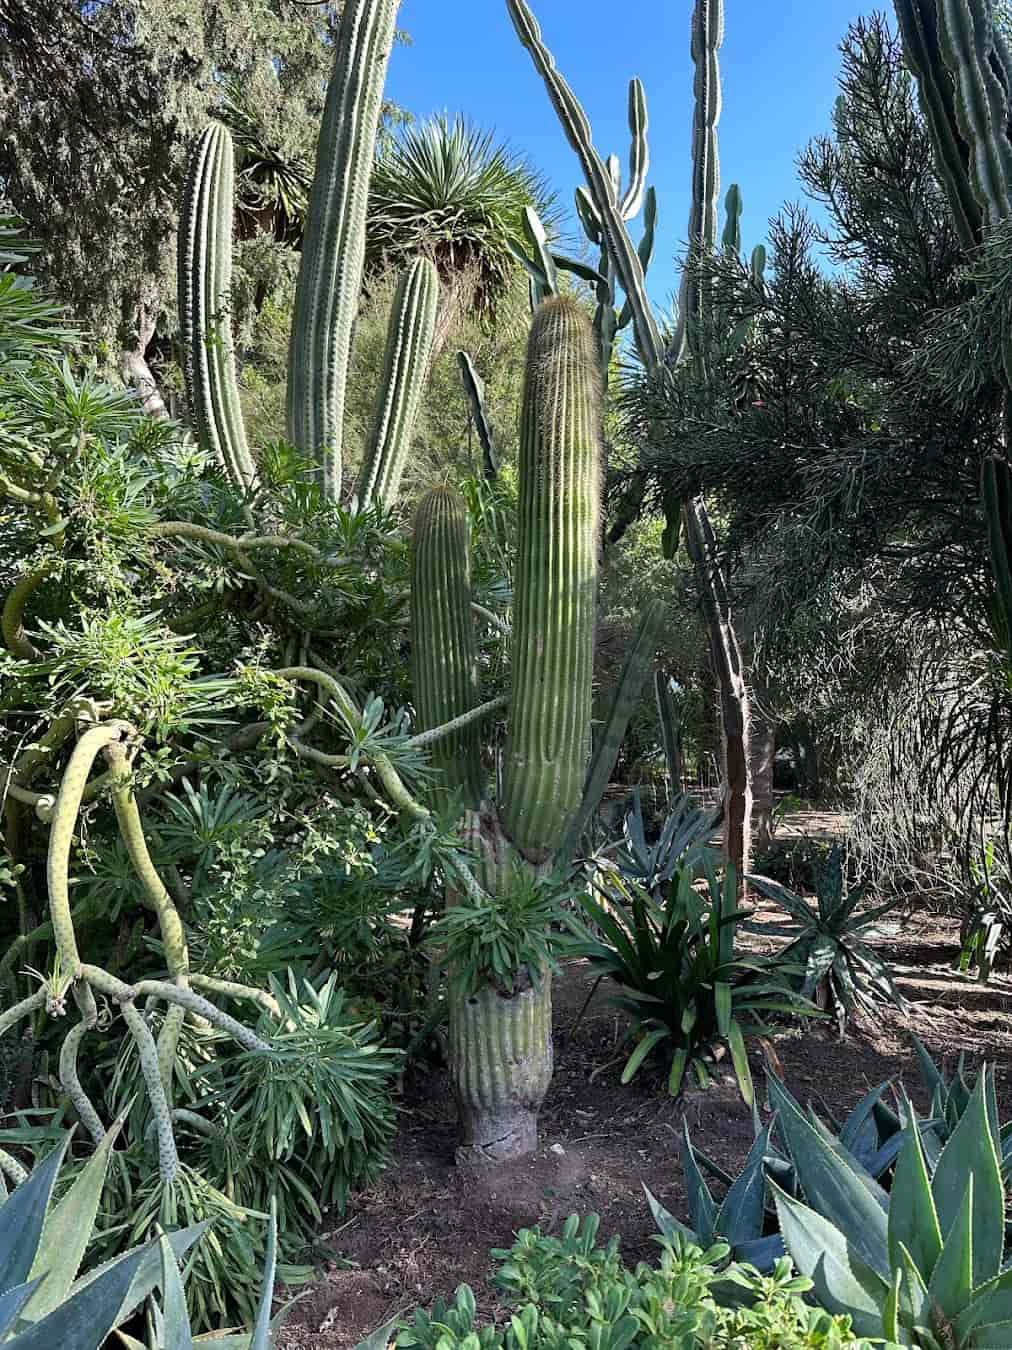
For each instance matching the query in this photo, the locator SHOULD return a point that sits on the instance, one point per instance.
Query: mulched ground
(424, 1229)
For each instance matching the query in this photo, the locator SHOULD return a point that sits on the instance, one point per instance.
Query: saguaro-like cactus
(500, 1041)
(205, 283)
(405, 370)
(560, 468)
(333, 253)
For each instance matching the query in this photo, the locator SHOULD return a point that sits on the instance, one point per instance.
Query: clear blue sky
(779, 65)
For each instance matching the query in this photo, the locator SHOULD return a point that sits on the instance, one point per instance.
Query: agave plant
(680, 846)
(841, 972)
(949, 1099)
(45, 1303)
(923, 1267)
(681, 978)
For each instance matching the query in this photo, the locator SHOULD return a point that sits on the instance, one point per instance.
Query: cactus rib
(205, 283)
(555, 595)
(405, 369)
(333, 255)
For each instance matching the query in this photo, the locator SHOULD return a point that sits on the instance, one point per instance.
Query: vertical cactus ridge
(444, 658)
(555, 589)
(967, 42)
(707, 36)
(639, 151)
(405, 369)
(333, 254)
(205, 283)
(918, 24)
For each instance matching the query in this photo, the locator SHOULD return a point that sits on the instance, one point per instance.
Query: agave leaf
(913, 1219)
(23, 1217)
(176, 1334)
(933, 1080)
(831, 1184)
(970, 1152)
(860, 1131)
(11, 1303)
(991, 1303)
(951, 1283)
(740, 1217)
(763, 1252)
(86, 1318)
(261, 1328)
(68, 1229)
(667, 1225)
(702, 1206)
(147, 1274)
(843, 1282)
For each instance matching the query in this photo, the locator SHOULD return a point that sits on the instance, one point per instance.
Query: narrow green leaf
(739, 1058)
(971, 1153)
(641, 1051)
(951, 1282)
(913, 1219)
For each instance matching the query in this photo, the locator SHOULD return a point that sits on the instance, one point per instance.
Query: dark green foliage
(841, 972)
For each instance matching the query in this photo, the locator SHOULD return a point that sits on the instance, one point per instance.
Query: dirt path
(422, 1230)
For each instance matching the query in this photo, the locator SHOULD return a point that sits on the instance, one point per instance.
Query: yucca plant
(923, 1267)
(682, 981)
(841, 972)
(46, 1304)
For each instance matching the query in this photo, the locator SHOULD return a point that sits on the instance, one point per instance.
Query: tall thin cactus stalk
(333, 252)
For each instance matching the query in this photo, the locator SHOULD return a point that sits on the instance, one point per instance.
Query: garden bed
(425, 1227)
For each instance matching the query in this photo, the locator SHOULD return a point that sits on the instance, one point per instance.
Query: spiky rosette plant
(501, 1047)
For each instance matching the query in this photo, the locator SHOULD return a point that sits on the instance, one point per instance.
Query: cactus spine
(333, 255)
(405, 370)
(205, 282)
(555, 596)
(444, 660)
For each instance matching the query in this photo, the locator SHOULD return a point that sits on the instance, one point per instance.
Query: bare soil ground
(424, 1229)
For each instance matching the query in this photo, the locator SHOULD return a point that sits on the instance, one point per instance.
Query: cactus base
(501, 1066)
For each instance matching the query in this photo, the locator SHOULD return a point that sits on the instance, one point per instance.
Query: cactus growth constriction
(556, 583)
(333, 253)
(405, 370)
(204, 283)
(444, 660)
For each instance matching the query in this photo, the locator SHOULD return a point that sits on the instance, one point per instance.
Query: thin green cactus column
(205, 283)
(333, 252)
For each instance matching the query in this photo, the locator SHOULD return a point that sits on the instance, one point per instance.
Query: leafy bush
(570, 1292)
(681, 978)
(840, 971)
(926, 1269)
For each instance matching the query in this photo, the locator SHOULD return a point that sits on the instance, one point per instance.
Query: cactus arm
(333, 255)
(996, 494)
(405, 370)
(230, 989)
(645, 247)
(61, 836)
(623, 703)
(25, 1008)
(69, 1079)
(577, 129)
(202, 534)
(122, 993)
(707, 36)
(205, 284)
(12, 619)
(474, 388)
(177, 958)
(444, 653)
(555, 592)
(981, 101)
(456, 724)
(168, 1158)
(639, 151)
(918, 23)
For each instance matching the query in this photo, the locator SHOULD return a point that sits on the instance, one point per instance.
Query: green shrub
(568, 1293)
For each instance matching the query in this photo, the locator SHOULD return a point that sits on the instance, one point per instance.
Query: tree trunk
(135, 371)
(761, 752)
(732, 693)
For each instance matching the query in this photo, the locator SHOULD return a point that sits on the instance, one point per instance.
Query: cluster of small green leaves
(569, 1291)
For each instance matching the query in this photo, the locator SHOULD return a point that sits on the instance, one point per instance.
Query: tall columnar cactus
(500, 1041)
(205, 283)
(333, 253)
(556, 583)
(405, 371)
(444, 658)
